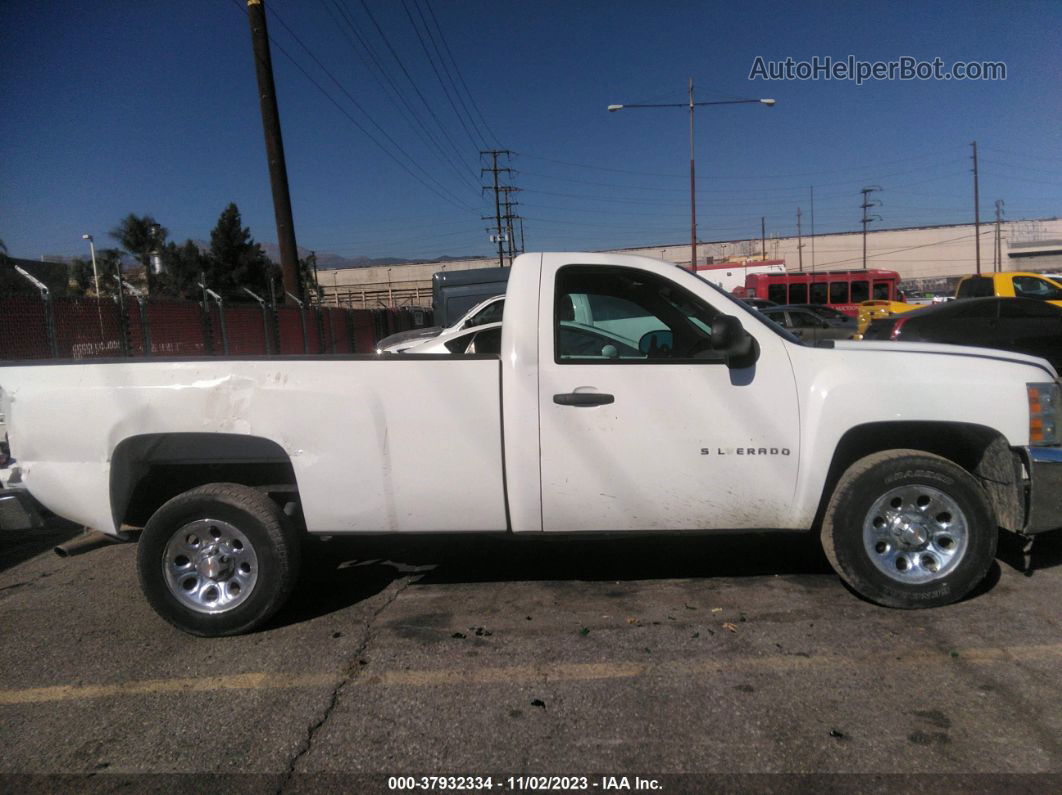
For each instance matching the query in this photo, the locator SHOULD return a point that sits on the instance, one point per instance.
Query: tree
(308, 280)
(140, 236)
(236, 260)
(108, 265)
(80, 271)
(182, 268)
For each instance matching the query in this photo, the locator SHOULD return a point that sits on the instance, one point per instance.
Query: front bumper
(1045, 489)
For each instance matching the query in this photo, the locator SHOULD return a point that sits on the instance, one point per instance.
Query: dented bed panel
(376, 445)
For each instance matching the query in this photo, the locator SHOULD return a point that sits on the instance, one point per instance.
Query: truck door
(642, 426)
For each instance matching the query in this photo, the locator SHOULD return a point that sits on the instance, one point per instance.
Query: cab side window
(1033, 287)
(605, 314)
(803, 320)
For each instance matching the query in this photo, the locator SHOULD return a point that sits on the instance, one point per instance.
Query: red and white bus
(843, 290)
(728, 275)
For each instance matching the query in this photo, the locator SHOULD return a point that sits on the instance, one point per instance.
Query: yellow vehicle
(868, 310)
(1013, 284)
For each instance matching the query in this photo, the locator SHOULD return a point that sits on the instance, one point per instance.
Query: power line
(460, 76)
(356, 123)
(402, 66)
(362, 48)
(481, 144)
(860, 169)
(1022, 154)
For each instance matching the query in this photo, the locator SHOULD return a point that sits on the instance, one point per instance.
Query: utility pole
(812, 228)
(866, 205)
(997, 264)
(763, 237)
(278, 171)
(977, 208)
(800, 243)
(499, 236)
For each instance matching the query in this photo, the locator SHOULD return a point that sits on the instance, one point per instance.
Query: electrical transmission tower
(866, 205)
(503, 233)
(509, 219)
(997, 260)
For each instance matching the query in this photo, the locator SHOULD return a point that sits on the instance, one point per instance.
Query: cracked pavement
(484, 656)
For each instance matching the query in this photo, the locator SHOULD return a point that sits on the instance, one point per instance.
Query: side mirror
(656, 343)
(731, 339)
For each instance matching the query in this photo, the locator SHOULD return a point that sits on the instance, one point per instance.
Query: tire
(218, 560)
(909, 529)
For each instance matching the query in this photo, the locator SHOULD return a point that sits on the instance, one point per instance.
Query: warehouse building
(927, 258)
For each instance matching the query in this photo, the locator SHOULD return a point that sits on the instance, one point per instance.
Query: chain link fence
(46, 327)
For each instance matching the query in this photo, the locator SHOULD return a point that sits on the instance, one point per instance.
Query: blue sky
(150, 107)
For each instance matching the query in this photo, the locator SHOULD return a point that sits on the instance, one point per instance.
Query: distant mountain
(328, 260)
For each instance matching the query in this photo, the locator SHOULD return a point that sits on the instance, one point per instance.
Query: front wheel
(218, 560)
(909, 529)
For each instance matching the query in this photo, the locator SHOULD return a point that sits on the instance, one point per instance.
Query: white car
(478, 339)
(488, 311)
(589, 341)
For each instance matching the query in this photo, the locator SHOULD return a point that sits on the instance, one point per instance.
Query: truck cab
(1015, 284)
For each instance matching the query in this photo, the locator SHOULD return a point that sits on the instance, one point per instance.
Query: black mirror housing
(730, 338)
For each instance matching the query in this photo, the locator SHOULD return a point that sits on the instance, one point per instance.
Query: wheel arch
(980, 450)
(149, 469)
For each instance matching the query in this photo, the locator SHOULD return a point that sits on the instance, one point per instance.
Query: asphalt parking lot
(690, 662)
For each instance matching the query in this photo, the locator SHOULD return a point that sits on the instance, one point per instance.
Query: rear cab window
(975, 287)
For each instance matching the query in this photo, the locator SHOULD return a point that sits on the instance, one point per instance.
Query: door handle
(583, 399)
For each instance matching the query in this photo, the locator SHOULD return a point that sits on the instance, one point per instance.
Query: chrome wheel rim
(210, 566)
(915, 534)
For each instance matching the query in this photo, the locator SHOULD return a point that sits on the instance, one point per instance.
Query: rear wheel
(909, 529)
(218, 560)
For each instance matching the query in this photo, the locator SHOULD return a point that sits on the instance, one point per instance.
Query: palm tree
(140, 236)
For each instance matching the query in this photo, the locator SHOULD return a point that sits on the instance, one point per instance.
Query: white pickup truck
(629, 395)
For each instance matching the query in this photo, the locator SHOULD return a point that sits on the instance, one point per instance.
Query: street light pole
(96, 281)
(693, 179)
(95, 274)
(693, 193)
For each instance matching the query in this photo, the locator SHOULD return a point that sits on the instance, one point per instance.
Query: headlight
(1045, 413)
